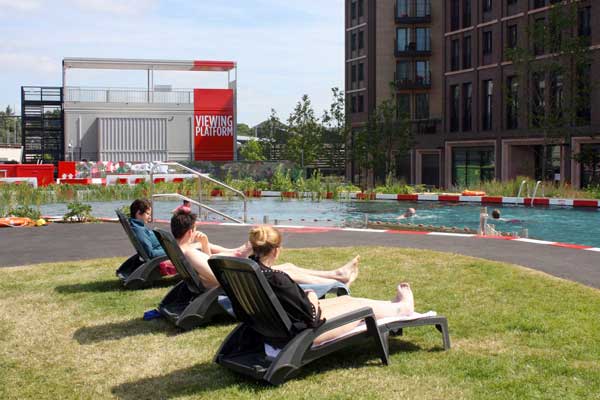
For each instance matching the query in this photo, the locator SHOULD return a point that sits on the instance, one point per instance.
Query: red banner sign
(214, 130)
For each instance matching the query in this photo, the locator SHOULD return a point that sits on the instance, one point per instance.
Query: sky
(284, 49)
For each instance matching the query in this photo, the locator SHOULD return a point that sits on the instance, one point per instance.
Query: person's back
(140, 212)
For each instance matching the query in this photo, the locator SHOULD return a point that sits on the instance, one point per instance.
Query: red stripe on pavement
(585, 203)
(571, 246)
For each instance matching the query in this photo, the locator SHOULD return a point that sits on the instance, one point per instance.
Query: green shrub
(78, 212)
(26, 212)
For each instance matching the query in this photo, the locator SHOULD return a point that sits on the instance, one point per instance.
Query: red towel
(167, 268)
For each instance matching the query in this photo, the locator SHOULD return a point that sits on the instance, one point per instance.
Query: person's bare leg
(402, 305)
(346, 274)
(242, 251)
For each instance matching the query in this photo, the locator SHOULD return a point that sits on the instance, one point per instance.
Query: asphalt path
(70, 242)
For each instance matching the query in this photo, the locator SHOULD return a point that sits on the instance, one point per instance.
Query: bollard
(366, 221)
(275, 222)
(265, 219)
(483, 216)
(525, 233)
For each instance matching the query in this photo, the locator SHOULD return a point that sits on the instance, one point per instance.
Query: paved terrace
(69, 242)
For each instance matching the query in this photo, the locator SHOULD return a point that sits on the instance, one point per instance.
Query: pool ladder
(535, 190)
(198, 203)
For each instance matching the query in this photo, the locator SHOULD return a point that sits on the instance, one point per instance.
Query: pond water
(560, 224)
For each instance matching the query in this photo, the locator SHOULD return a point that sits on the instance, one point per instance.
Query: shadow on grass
(209, 377)
(109, 286)
(120, 330)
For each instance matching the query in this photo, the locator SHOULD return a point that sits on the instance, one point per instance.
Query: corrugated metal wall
(132, 139)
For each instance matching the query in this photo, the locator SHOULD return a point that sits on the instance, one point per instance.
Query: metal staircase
(42, 117)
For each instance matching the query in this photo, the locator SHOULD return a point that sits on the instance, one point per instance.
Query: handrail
(200, 176)
(182, 197)
(524, 182)
(535, 191)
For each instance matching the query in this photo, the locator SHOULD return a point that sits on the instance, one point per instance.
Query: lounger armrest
(357, 315)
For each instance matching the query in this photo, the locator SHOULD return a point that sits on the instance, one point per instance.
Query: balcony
(413, 11)
(411, 50)
(418, 82)
(128, 95)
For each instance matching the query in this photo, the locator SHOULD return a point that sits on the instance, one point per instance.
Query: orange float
(11, 222)
(473, 193)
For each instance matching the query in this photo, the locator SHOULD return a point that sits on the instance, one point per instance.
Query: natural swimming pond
(560, 224)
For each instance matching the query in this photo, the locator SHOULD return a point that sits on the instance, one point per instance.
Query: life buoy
(473, 193)
(15, 222)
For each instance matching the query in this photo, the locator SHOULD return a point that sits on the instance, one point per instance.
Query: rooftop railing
(128, 95)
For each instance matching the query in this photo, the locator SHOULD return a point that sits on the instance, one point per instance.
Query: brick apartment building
(449, 61)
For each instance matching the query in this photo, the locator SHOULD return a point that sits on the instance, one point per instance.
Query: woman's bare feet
(244, 250)
(349, 272)
(404, 296)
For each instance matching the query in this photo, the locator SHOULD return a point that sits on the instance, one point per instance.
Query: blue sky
(284, 49)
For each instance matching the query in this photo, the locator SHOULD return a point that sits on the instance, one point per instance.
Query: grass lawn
(68, 331)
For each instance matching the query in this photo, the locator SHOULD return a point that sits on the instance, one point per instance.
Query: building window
(472, 166)
(539, 99)
(454, 54)
(467, 93)
(512, 100)
(353, 104)
(467, 52)
(487, 5)
(487, 42)
(488, 92)
(539, 3)
(403, 106)
(402, 8)
(361, 40)
(403, 38)
(511, 2)
(584, 22)
(403, 72)
(353, 73)
(422, 106)
(556, 95)
(454, 106)
(423, 8)
(511, 36)
(361, 11)
(361, 103)
(353, 10)
(590, 170)
(454, 15)
(361, 72)
(466, 13)
(353, 41)
(584, 94)
(423, 75)
(539, 33)
(423, 39)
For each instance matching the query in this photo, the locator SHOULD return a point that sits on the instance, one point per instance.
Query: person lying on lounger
(303, 307)
(141, 212)
(183, 228)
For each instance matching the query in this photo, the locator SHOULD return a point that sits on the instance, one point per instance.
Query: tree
(10, 126)
(337, 127)
(559, 59)
(589, 158)
(244, 130)
(252, 150)
(386, 135)
(304, 143)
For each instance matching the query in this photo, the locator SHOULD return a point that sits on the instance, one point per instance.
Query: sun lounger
(263, 345)
(139, 270)
(189, 304)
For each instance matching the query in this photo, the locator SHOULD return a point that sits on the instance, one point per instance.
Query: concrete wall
(81, 127)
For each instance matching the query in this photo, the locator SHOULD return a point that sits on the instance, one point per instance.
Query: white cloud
(19, 5)
(127, 7)
(11, 62)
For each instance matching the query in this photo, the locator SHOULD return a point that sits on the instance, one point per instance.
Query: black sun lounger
(139, 270)
(265, 325)
(189, 304)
